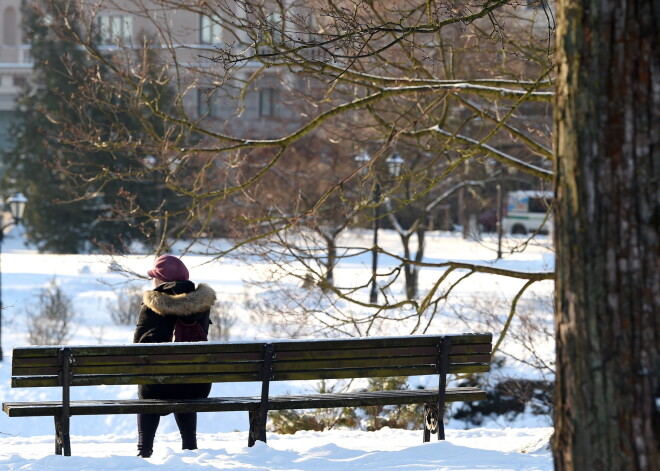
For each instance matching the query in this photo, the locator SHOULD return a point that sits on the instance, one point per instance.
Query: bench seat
(247, 403)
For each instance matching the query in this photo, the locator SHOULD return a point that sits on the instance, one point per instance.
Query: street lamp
(16, 208)
(394, 166)
(499, 221)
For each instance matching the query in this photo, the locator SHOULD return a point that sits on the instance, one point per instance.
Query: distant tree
(70, 208)
(447, 83)
(308, 174)
(29, 162)
(124, 309)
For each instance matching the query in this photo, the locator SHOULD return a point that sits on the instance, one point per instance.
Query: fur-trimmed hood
(199, 300)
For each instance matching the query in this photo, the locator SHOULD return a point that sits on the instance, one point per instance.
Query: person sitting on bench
(174, 298)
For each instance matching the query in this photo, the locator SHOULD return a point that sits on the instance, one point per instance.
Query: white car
(528, 212)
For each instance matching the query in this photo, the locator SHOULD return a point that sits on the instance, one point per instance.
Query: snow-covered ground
(108, 443)
(478, 449)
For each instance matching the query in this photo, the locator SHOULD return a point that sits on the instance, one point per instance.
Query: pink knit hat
(168, 268)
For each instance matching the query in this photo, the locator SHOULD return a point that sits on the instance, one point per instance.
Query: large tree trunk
(607, 119)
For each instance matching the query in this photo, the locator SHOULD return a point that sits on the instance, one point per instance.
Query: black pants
(148, 423)
(187, 422)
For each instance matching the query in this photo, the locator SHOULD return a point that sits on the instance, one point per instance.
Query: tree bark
(607, 141)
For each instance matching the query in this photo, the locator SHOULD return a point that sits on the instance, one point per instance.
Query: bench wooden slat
(166, 348)
(50, 365)
(116, 380)
(367, 398)
(462, 359)
(375, 372)
(161, 367)
(352, 363)
(166, 368)
(373, 362)
(139, 374)
(427, 350)
(96, 380)
(142, 359)
(237, 347)
(225, 404)
(380, 342)
(336, 354)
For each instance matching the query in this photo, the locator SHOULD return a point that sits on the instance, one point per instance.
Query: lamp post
(499, 221)
(394, 166)
(16, 208)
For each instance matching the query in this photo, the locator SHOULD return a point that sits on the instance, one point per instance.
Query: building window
(267, 102)
(9, 26)
(273, 33)
(115, 29)
(208, 103)
(210, 30)
(276, 28)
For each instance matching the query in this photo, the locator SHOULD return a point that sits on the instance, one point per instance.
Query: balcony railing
(16, 56)
(25, 54)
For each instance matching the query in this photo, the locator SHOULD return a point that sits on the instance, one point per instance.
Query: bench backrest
(169, 363)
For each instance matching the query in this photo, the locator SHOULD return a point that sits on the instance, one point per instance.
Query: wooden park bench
(168, 363)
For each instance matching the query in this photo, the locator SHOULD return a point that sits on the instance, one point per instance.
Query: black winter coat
(160, 310)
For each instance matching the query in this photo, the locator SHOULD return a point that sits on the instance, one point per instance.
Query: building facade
(15, 64)
(187, 40)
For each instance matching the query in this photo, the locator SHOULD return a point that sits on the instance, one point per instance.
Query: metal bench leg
(259, 417)
(59, 440)
(444, 349)
(62, 422)
(430, 421)
(255, 427)
(434, 414)
(62, 439)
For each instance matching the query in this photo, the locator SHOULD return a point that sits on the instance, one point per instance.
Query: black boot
(187, 423)
(189, 444)
(144, 453)
(147, 425)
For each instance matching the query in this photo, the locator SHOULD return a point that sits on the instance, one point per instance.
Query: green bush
(407, 416)
(410, 417)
